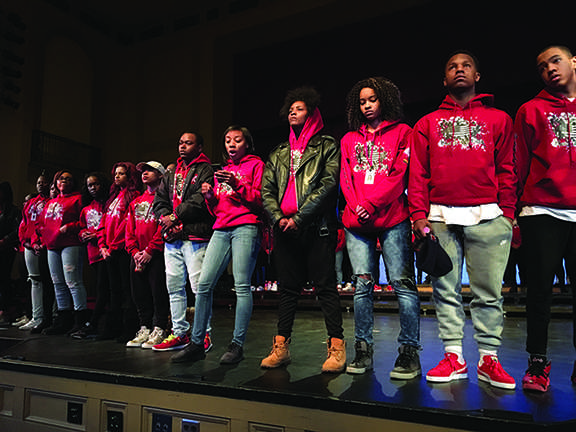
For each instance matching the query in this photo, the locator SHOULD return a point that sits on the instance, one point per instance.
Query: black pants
(150, 294)
(545, 242)
(307, 256)
(122, 312)
(102, 291)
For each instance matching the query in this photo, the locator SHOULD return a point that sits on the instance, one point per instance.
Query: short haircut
(306, 94)
(562, 48)
(465, 52)
(199, 138)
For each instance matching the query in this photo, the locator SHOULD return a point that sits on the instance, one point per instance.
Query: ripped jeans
(66, 272)
(399, 260)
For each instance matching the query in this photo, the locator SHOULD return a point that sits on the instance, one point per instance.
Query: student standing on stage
(147, 272)
(121, 322)
(37, 262)
(373, 178)
(186, 227)
(299, 193)
(94, 196)
(546, 131)
(236, 202)
(59, 232)
(462, 188)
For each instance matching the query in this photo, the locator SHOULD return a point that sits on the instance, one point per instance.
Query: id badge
(369, 177)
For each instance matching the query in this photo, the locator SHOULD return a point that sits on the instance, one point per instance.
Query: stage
(464, 405)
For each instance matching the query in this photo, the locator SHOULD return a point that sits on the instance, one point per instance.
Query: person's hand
(224, 176)
(208, 191)
(167, 221)
(145, 257)
(421, 228)
(63, 229)
(362, 214)
(290, 226)
(105, 252)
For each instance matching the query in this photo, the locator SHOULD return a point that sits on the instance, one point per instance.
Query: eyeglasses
(186, 142)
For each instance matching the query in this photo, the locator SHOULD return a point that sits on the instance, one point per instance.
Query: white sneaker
(20, 321)
(155, 338)
(30, 324)
(141, 337)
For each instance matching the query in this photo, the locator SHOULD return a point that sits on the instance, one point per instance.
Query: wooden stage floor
(467, 405)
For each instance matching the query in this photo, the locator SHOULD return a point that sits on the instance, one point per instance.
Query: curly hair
(306, 94)
(134, 183)
(59, 174)
(388, 95)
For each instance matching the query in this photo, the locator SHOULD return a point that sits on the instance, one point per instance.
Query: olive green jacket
(316, 183)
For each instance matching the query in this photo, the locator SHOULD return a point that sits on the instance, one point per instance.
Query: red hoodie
(31, 214)
(546, 151)
(60, 211)
(112, 230)
(243, 205)
(142, 229)
(462, 157)
(385, 153)
(90, 218)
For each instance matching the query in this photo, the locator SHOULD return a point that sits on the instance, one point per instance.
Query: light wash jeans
(182, 258)
(399, 261)
(36, 289)
(241, 244)
(66, 272)
(485, 247)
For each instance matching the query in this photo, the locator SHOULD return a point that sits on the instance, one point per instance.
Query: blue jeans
(182, 258)
(241, 244)
(485, 247)
(66, 272)
(36, 288)
(399, 260)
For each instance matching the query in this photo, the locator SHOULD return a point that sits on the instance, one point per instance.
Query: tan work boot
(336, 361)
(279, 355)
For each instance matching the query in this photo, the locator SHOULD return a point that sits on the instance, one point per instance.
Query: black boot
(81, 317)
(62, 324)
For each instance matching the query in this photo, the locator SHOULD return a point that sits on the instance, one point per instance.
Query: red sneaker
(491, 371)
(207, 342)
(537, 375)
(173, 342)
(449, 369)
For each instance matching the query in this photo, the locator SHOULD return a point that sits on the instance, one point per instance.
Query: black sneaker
(190, 354)
(235, 354)
(407, 364)
(363, 360)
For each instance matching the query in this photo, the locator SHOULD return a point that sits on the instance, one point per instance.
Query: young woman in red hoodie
(121, 321)
(374, 178)
(236, 203)
(36, 261)
(145, 245)
(61, 224)
(95, 192)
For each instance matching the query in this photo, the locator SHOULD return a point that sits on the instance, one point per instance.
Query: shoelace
(536, 368)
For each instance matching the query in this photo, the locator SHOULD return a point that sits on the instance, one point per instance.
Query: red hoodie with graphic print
(374, 174)
(112, 230)
(546, 151)
(462, 157)
(64, 210)
(142, 229)
(243, 204)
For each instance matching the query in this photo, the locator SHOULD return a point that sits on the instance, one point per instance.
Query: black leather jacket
(316, 183)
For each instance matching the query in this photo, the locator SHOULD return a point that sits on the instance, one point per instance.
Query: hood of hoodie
(555, 100)
(479, 100)
(384, 126)
(246, 158)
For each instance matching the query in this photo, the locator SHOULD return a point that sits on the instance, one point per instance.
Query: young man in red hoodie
(546, 162)
(462, 188)
(186, 228)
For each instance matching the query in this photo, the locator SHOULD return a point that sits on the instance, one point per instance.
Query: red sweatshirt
(142, 229)
(374, 174)
(31, 214)
(243, 205)
(546, 151)
(90, 218)
(60, 211)
(112, 229)
(462, 157)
